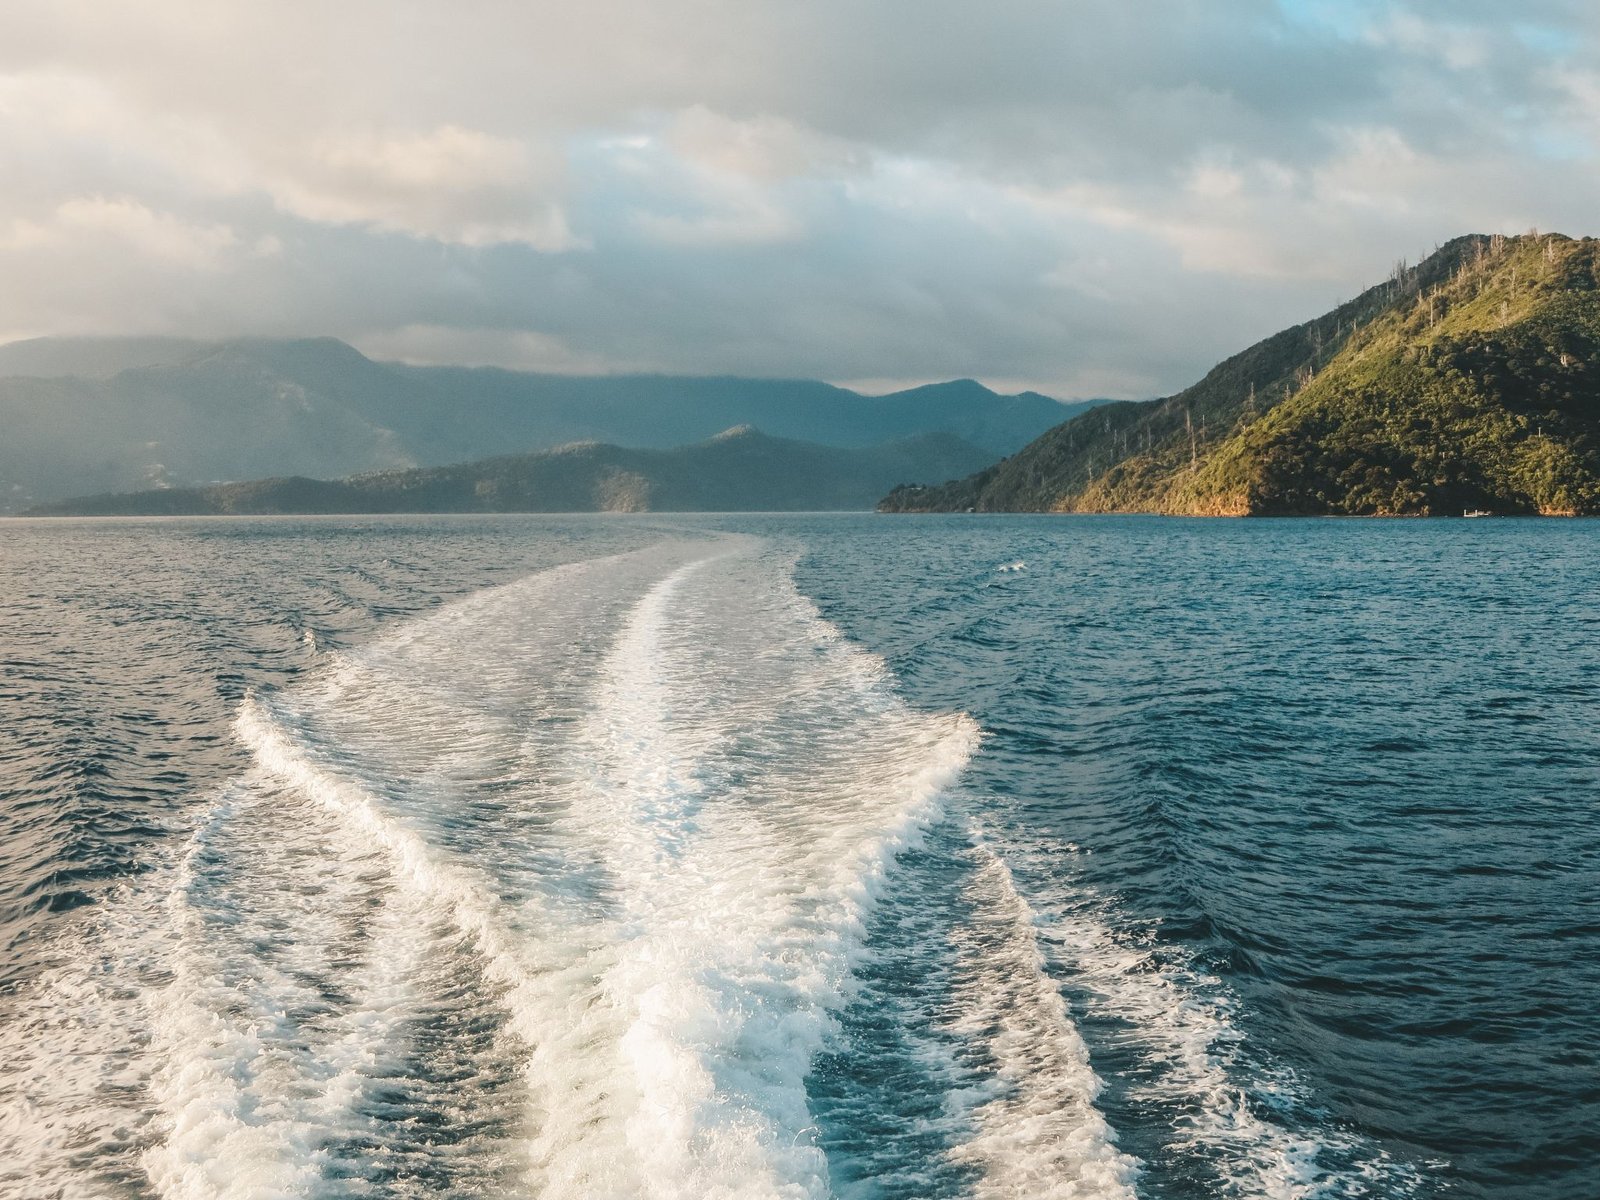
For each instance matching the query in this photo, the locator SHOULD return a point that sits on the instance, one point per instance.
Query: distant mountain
(738, 470)
(666, 410)
(1471, 381)
(100, 415)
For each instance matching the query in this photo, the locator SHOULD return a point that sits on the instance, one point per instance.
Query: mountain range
(1470, 381)
(94, 415)
(741, 469)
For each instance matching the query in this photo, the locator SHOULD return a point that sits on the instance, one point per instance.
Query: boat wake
(631, 878)
(556, 891)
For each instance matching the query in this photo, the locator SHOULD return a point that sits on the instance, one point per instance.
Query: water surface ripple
(799, 856)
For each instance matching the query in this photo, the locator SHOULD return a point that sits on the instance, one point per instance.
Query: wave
(1230, 1113)
(752, 782)
(961, 1071)
(633, 877)
(1036, 1130)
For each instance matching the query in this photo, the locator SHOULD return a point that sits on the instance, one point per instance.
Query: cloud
(450, 184)
(1086, 198)
(94, 225)
(516, 349)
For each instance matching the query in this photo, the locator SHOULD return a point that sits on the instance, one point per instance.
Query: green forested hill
(1468, 381)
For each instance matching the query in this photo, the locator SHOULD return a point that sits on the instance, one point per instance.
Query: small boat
(1475, 512)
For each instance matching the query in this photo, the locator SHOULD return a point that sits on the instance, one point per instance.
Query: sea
(799, 856)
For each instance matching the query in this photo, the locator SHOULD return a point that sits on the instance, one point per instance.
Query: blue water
(748, 856)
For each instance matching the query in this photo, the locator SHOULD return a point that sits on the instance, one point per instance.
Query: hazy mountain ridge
(95, 357)
(1467, 381)
(741, 469)
(104, 415)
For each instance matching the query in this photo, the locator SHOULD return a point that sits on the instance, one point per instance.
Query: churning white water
(558, 891)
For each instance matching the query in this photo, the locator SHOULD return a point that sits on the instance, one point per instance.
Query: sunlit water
(800, 856)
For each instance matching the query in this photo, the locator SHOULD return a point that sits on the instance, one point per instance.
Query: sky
(1087, 197)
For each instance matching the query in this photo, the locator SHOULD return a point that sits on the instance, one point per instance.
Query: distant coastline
(739, 470)
(99, 416)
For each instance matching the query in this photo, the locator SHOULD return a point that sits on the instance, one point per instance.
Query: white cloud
(451, 184)
(91, 224)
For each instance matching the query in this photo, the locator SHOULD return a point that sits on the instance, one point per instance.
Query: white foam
(734, 949)
(1200, 1067)
(71, 1065)
(1038, 1133)
(262, 1076)
(639, 810)
(223, 1135)
(543, 973)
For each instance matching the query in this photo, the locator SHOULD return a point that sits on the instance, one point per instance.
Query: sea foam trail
(244, 1019)
(1037, 1132)
(1233, 1115)
(246, 1041)
(73, 1063)
(962, 1072)
(415, 749)
(555, 891)
(735, 930)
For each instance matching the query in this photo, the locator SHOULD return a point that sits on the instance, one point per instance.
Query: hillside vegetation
(739, 470)
(1470, 381)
